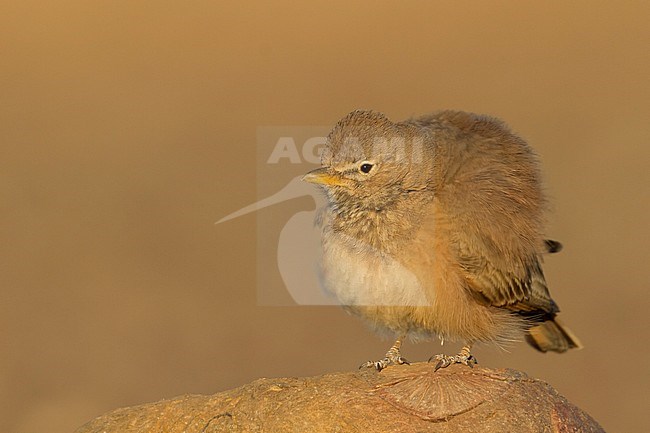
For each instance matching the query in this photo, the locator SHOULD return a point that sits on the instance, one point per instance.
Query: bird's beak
(321, 176)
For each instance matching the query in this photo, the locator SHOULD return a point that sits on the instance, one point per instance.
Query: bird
(433, 227)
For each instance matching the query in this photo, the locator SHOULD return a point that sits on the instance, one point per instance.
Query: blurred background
(127, 128)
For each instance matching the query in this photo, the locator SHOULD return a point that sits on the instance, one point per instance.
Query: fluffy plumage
(434, 227)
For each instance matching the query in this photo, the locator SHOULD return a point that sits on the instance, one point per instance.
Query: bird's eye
(365, 167)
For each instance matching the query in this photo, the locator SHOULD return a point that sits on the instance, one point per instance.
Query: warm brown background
(128, 127)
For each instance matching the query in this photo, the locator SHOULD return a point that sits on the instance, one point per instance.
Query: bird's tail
(552, 335)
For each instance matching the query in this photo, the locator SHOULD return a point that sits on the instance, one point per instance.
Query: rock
(401, 399)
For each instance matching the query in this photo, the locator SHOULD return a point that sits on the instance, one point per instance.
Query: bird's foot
(464, 357)
(385, 362)
(393, 357)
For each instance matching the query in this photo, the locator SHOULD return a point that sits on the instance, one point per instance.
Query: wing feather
(521, 288)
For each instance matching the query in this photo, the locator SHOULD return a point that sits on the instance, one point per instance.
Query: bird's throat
(383, 228)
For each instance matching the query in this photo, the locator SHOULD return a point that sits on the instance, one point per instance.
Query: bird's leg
(393, 356)
(463, 357)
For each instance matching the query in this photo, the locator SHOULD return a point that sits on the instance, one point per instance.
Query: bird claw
(390, 359)
(446, 360)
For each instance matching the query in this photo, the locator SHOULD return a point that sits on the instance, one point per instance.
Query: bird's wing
(515, 284)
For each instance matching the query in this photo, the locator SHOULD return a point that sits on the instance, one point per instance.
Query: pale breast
(359, 275)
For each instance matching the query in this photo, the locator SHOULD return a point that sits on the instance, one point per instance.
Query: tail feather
(553, 336)
(552, 246)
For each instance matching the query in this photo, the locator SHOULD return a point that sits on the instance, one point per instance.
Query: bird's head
(370, 162)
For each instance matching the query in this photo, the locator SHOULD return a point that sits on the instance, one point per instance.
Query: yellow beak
(321, 176)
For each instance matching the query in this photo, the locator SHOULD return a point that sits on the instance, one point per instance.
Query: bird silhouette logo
(298, 245)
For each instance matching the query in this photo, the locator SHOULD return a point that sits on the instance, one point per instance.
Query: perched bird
(434, 228)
